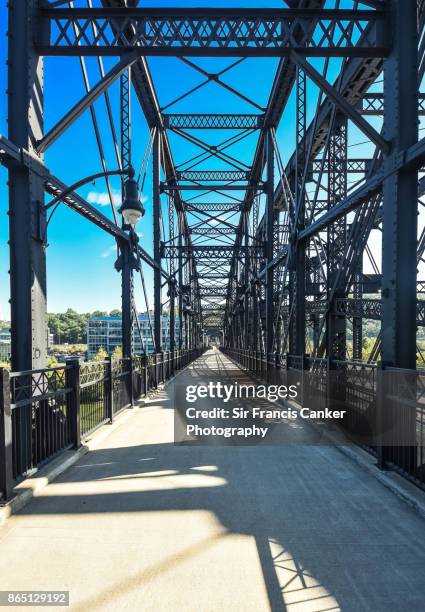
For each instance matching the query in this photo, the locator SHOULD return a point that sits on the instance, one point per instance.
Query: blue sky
(80, 256)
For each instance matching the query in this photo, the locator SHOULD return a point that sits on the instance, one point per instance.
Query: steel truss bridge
(271, 253)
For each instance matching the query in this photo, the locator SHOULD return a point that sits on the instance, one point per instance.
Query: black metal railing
(385, 406)
(94, 394)
(39, 416)
(46, 411)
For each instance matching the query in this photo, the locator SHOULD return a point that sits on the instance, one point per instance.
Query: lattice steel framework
(232, 32)
(257, 249)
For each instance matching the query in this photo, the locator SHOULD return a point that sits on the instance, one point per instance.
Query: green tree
(52, 362)
(99, 313)
(115, 313)
(101, 354)
(117, 354)
(68, 327)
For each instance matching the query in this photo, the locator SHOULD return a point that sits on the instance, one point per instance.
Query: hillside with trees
(70, 327)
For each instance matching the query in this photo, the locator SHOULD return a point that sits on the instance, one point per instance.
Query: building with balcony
(106, 332)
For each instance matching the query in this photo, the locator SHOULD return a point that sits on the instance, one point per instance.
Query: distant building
(5, 344)
(105, 332)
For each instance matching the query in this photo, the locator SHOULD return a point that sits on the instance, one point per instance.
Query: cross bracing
(276, 236)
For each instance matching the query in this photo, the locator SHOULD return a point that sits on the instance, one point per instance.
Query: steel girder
(213, 291)
(212, 175)
(352, 166)
(212, 231)
(372, 104)
(208, 32)
(212, 206)
(213, 121)
(362, 308)
(208, 252)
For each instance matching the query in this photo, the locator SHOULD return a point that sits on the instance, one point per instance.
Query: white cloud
(110, 251)
(102, 198)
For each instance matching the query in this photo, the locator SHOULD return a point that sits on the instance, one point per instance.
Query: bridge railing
(46, 411)
(385, 406)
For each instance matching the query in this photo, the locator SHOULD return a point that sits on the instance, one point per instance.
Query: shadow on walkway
(182, 520)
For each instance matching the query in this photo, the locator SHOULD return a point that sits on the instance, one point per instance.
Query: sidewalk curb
(396, 483)
(30, 487)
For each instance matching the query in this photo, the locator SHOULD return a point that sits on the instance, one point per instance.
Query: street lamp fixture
(131, 208)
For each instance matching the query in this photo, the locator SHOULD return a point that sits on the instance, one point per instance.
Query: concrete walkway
(141, 524)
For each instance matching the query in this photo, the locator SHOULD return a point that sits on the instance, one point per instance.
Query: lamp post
(131, 208)
(132, 211)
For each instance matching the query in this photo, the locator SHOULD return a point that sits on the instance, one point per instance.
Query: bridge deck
(140, 524)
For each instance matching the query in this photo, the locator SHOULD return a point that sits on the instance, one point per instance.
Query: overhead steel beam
(212, 175)
(208, 32)
(212, 206)
(213, 121)
(206, 251)
(212, 231)
(209, 187)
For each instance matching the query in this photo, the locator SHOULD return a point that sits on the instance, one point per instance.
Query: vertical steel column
(400, 208)
(246, 284)
(269, 242)
(298, 320)
(27, 227)
(127, 298)
(171, 284)
(156, 160)
(254, 286)
(336, 327)
(180, 279)
(126, 259)
(358, 321)
(186, 276)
